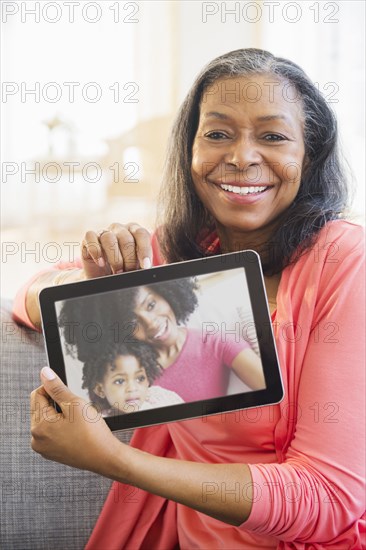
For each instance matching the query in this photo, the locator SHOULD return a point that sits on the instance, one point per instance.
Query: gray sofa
(44, 505)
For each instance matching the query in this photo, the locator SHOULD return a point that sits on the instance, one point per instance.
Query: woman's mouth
(162, 331)
(244, 194)
(244, 190)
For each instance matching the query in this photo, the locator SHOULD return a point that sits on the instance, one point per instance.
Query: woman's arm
(44, 280)
(190, 483)
(248, 367)
(321, 473)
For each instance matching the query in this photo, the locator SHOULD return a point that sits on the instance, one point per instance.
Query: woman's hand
(78, 436)
(113, 250)
(118, 248)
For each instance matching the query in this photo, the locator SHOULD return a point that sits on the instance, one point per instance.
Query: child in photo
(121, 380)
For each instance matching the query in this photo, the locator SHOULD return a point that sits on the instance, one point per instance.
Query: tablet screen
(165, 350)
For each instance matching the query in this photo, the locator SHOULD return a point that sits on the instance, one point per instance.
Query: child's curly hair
(95, 368)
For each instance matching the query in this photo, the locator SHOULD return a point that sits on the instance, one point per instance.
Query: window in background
(86, 116)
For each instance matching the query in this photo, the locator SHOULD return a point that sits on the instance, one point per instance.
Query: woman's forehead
(268, 93)
(141, 295)
(143, 292)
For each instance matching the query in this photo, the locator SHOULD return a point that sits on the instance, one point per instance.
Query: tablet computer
(165, 344)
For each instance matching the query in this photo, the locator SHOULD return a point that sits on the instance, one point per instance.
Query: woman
(193, 366)
(254, 168)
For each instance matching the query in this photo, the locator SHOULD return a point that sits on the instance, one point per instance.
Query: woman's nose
(243, 153)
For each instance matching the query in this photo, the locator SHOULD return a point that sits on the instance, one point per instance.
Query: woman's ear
(98, 390)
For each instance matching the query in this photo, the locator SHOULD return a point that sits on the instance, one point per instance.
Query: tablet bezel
(249, 261)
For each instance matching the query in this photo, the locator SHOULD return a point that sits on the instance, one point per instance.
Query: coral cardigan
(306, 455)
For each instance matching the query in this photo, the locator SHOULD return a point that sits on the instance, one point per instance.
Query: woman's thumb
(54, 386)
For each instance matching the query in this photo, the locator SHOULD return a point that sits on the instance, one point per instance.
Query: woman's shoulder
(336, 257)
(334, 243)
(350, 233)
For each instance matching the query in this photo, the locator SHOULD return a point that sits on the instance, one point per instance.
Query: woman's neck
(259, 240)
(272, 283)
(232, 240)
(168, 354)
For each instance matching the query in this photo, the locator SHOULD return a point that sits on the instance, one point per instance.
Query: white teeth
(242, 190)
(160, 331)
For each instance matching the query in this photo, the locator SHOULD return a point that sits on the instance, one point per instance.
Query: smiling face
(156, 321)
(248, 153)
(124, 384)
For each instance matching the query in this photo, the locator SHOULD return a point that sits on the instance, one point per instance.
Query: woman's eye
(274, 137)
(216, 135)
(151, 305)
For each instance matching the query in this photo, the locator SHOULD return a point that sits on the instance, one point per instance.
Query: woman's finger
(111, 250)
(57, 390)
(38, 400)
(92, 257)
(143, 245)
(41, 407)
(127, 247)
(93, 249)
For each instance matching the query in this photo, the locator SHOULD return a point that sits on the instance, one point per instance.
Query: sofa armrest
(44, 505)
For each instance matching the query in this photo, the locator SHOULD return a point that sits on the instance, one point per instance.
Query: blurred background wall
(90, 90)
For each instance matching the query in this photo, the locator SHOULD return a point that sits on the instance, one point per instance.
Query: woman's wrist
(44, 280)
(182, 481)
(66, 276)
(117, 463)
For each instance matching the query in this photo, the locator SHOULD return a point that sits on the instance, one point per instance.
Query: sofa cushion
(44, 505)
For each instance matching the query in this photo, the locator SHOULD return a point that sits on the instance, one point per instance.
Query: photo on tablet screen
(162, 344)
